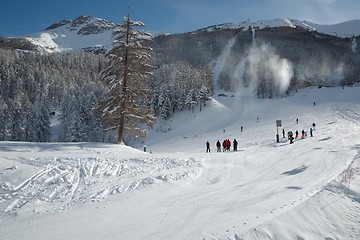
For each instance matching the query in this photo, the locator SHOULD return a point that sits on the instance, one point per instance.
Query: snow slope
(265, 190)
(344, 29)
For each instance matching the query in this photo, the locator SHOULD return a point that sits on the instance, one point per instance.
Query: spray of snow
(354, 45)
(219, 63)
(338, 75)
(253, 35)
(264, 62)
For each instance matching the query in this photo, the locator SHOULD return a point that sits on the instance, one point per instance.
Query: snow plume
(330, 74)
(219, 63)
(354, 45)
(267, 72)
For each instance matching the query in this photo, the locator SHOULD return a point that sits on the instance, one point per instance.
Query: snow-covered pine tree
(164, 103)
(128, 104)
(42, 121)
(15, 121)
(191, 100)
(203, 95)
(30, 123)
(3, 119)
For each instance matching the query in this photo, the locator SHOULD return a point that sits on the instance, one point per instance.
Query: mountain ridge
(236, 53)
(91, 33)
(344, 29)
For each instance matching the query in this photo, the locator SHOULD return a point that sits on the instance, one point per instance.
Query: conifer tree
(42, 121)
(3, 119)
(128, 105)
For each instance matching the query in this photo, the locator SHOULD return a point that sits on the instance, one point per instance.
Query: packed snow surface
(265, 190)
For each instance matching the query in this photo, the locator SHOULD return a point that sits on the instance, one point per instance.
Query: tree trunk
(124, 86)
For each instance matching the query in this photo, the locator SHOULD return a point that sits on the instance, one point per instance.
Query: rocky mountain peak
(59, 24)
(84, 25)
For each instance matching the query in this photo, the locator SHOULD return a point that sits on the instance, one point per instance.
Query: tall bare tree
(128, 105)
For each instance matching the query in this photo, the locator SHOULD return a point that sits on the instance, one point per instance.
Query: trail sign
(278, 123)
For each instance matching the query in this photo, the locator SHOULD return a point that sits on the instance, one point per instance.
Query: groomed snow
(265, 190)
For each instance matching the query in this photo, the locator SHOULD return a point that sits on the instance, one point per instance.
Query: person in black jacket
(235, 143)
(218, 146)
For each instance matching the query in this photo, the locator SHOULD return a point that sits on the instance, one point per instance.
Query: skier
(303, 134)
(296, 134)
(297, 121)
(241, 128)
(207, 146)
(227, 144)
(313, 126)
(235, 145)
(218, 146)
(311, 130)
(290, 137)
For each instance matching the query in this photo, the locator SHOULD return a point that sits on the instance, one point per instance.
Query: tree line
(33, 85)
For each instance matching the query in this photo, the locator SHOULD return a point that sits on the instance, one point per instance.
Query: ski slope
(265, 190)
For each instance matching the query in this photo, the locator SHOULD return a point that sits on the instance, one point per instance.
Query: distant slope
(344, 29)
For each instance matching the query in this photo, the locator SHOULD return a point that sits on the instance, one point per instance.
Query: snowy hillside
(265, 190)
(345, 29)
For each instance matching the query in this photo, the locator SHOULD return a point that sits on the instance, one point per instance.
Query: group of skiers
(226, 145)
(303, 133)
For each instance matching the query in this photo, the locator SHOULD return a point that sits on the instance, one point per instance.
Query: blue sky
(22, 17)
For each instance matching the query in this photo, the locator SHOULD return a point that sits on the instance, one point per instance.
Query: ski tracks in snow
(63, 182)
(348, 114)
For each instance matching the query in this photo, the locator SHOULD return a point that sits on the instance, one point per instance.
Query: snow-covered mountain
(91, 33)
(84, 32)
(344, 29)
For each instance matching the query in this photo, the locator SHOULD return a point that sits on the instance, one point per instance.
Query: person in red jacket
(228, 144)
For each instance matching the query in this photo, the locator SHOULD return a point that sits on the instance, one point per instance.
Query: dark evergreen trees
(180, 85)
(31, 84)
